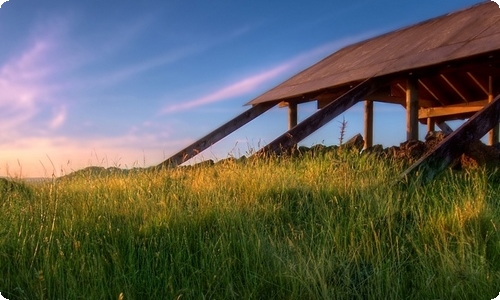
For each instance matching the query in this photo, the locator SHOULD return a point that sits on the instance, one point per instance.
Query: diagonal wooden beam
(455, 144)
(476, 81)
(216, 135)
(444, 127)
(454, 88)
(302, 130)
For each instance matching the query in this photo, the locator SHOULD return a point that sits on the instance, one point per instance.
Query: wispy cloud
(173, 55)
(239, 88)
(136, 68)
(22, 84)
(256, 82)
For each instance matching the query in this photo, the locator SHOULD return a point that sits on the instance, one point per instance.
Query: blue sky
(128, 83)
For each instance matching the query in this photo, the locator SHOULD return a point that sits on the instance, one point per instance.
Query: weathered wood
(368, 124)
(494, 132)
(216, 135)
(456, 143)
(444, 127)
(450, 110)
(290, 138)
(412, 109)
(431, 124)
(292, 115)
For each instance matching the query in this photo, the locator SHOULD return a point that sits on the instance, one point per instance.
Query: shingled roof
(467, 33)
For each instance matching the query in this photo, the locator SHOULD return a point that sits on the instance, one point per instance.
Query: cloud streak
(239, 88)
(256, 82)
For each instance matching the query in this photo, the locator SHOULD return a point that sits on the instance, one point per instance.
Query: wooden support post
(216, 135)
(431, 124)
(412, 109)
(292, 118)
(493, 134)
(368, 124)
(292, 115)
(455, 144)
(290, 138)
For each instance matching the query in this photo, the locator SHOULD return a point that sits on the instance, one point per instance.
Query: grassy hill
(326, 225)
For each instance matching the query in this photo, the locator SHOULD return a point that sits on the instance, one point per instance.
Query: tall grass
(326, 225)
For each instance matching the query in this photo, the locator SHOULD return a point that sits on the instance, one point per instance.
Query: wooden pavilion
(442, 69)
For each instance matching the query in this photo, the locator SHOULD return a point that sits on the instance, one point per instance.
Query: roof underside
(460, 35)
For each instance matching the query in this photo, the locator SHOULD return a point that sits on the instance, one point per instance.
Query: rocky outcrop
(476, 154)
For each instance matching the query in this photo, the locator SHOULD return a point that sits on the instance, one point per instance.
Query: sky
(129, 83)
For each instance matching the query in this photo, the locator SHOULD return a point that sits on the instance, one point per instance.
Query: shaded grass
(330, 225)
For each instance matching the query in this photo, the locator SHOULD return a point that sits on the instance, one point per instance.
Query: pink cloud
(59, 155)
(22, 85)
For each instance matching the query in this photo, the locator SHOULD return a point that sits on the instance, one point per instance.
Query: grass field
(332, 225)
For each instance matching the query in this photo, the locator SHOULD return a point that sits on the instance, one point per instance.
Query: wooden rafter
(481, 86)
(429, 91)
(430, 86)
(460, 94)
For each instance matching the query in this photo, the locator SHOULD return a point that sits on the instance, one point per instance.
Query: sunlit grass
(325, 225)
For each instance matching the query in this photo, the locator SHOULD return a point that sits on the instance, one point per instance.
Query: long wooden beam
(454, 109)
(302, 130)
(445, 128)
(216, 135)
(455, 144)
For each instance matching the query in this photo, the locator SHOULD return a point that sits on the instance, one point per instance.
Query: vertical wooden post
(292, 115)
(431, 124)
(493, 134)
(412, 109)
(368, 124)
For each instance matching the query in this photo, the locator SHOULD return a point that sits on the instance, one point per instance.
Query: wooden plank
(449, 110)
(216, 135)
(368, 124)
(412, 109)
(290, 138)
(455, 144)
